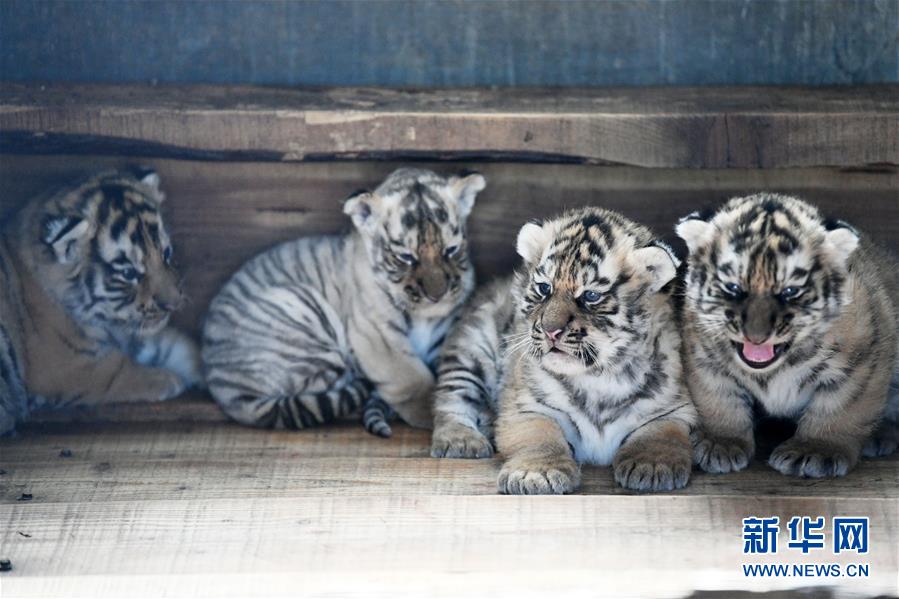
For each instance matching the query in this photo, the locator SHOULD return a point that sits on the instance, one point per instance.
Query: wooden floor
(174, 500)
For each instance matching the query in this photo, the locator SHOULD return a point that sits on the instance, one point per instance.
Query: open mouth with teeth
(759, 356)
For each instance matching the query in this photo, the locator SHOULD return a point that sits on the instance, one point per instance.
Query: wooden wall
(452, 42)
(222, 213)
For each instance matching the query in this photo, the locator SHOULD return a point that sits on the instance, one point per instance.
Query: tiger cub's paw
(459, 441)
(653, 466)
(812, 459)
(719, 455)
(187, 363)
(176, 352)
(883, 442)
(538, 475)
(162, 385)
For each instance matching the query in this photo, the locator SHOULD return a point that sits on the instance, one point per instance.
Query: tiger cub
(579, 355)
(316, 328)
(86, 290)
(797, 316)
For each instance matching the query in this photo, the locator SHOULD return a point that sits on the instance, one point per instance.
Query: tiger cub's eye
(451, 251)
(789, 293)
(407, 258)
(130, 274)
(544, 289)
(590, 296)
(733, 290)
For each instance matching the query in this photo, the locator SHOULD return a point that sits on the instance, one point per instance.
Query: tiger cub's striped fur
(582, 351)
(796, 316)
(315, 328)
(86, 289)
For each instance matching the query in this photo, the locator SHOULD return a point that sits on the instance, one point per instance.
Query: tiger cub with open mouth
(797, 316)
(579, 355)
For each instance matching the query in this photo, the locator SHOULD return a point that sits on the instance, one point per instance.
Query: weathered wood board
(221, 214)
(186, 448)
(663, 127)
(145, 505)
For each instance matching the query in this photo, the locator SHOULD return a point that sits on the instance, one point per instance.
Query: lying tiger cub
(86, 290)
(797, 316)
(579, 355)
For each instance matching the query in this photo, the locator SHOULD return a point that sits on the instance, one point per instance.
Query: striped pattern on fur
(796, 317)
(320, 328)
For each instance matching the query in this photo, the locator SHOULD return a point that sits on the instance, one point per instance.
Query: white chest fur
(782, 397)
(424, 335)
(788, 390)
(590, 442)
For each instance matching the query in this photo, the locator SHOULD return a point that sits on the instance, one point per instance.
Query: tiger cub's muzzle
(158, 297)
(433, 281)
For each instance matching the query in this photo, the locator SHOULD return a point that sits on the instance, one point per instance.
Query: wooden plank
(418, 546)
(400, 43)
(740, 127)
(151, 506)
(221, 214)
(174, 459)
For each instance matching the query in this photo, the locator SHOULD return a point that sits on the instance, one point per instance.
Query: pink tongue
(758, 353)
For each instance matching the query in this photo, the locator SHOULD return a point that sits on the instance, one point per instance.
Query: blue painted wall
(453, 42)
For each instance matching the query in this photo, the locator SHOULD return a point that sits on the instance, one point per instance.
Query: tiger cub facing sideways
(579, 355)
(799, 317)
(316, 328)
(86, 290)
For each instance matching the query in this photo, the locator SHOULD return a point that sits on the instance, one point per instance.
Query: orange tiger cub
(86, 290)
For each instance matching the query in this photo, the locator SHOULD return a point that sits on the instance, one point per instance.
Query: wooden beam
(743, 127)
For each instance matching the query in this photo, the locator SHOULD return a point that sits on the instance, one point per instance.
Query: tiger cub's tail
(301, 410)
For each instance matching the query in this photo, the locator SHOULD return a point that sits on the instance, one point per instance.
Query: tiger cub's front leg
(470, 372)
(116, 378)
(833, 429)
(725, 442)
(462, 405)
(656, 457)
(538, 458)
(400, 378)
(172, 350)
(885, 438)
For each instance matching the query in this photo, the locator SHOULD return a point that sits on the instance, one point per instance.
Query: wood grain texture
(187, 451)
(221, 214)
(741, 127)
(213, 509)
(412, 546)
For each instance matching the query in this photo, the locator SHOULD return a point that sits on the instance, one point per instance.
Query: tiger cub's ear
(658, 262)
(465, 187)
(696, 230)
(532, 240)
(148, 177)
(63, 234)
(841, 240)
(362, 207)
